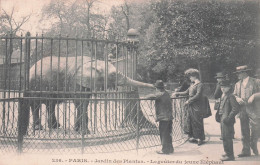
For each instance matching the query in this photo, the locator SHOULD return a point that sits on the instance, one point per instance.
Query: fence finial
(28, 34)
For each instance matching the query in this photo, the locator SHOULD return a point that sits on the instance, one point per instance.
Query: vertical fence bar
(20, 69)
(50, 86)
(58, 86)
(41, 63)
(135, 63)
(9, 70)
(34, 60)
(25, 62)
(137, 124)
(91, 87)
(81, 76)
(50, 83)
(76, 63)
(29, 59)
(128, 102)
(116, 86)
(36, 53)
(20, 134)
(5, 75)
(132, 62)
(84, 101)
(105, 83)
(83, 127)
(10, 66)
(95, 87)
(65, 89)
(75, 83)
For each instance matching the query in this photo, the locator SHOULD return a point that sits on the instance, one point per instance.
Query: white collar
(245, 81)
(196, 82)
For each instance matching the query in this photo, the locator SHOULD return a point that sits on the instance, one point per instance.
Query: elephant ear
(87, 74)
(97, 70)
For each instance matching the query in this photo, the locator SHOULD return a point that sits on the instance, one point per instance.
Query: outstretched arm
(135, 83)
(124, 80)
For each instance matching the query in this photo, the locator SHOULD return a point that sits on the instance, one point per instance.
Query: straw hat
(243, 68)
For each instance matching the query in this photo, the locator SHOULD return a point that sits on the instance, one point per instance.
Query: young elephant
(66, 77)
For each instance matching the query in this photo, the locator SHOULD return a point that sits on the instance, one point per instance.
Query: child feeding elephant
(163, 109)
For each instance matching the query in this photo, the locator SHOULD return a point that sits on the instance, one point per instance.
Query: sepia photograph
(122, 82)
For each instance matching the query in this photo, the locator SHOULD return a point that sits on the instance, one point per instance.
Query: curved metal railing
(115, 124)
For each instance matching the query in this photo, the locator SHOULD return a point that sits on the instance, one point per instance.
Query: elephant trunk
(126, 81)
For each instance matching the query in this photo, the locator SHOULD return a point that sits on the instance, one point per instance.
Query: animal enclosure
(64, 94)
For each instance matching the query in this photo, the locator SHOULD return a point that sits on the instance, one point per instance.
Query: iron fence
(125, 124)
(63, 95)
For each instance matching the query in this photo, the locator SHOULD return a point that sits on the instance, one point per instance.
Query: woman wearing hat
(196, 106)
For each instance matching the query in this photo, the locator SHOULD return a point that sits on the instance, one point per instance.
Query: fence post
(22, 124)
(138, 124)
(20, 136)
(83, 132)
(27, 61)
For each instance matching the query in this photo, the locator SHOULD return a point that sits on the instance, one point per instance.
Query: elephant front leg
(82, 110)
(35, 107)
(52, 121)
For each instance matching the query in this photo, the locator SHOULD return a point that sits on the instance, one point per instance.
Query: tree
(11, 26)
(195, 33)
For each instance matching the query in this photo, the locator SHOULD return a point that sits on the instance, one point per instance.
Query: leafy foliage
(203, 34)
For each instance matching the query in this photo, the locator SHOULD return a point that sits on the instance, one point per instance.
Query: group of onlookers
(242, 98)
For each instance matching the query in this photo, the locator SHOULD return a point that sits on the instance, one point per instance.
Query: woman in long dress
(195, 108)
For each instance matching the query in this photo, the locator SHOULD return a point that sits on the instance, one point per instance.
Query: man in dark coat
(244, 89)
(228, 109)
(220, 76)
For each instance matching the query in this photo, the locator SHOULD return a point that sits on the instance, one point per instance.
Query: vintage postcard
(122, 82)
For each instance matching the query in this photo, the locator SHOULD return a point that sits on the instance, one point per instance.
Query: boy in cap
(163, 108)
(227, 111)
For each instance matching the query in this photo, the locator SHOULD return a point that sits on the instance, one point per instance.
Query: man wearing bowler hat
(227, 111)
(244, 89)
(220, 76)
